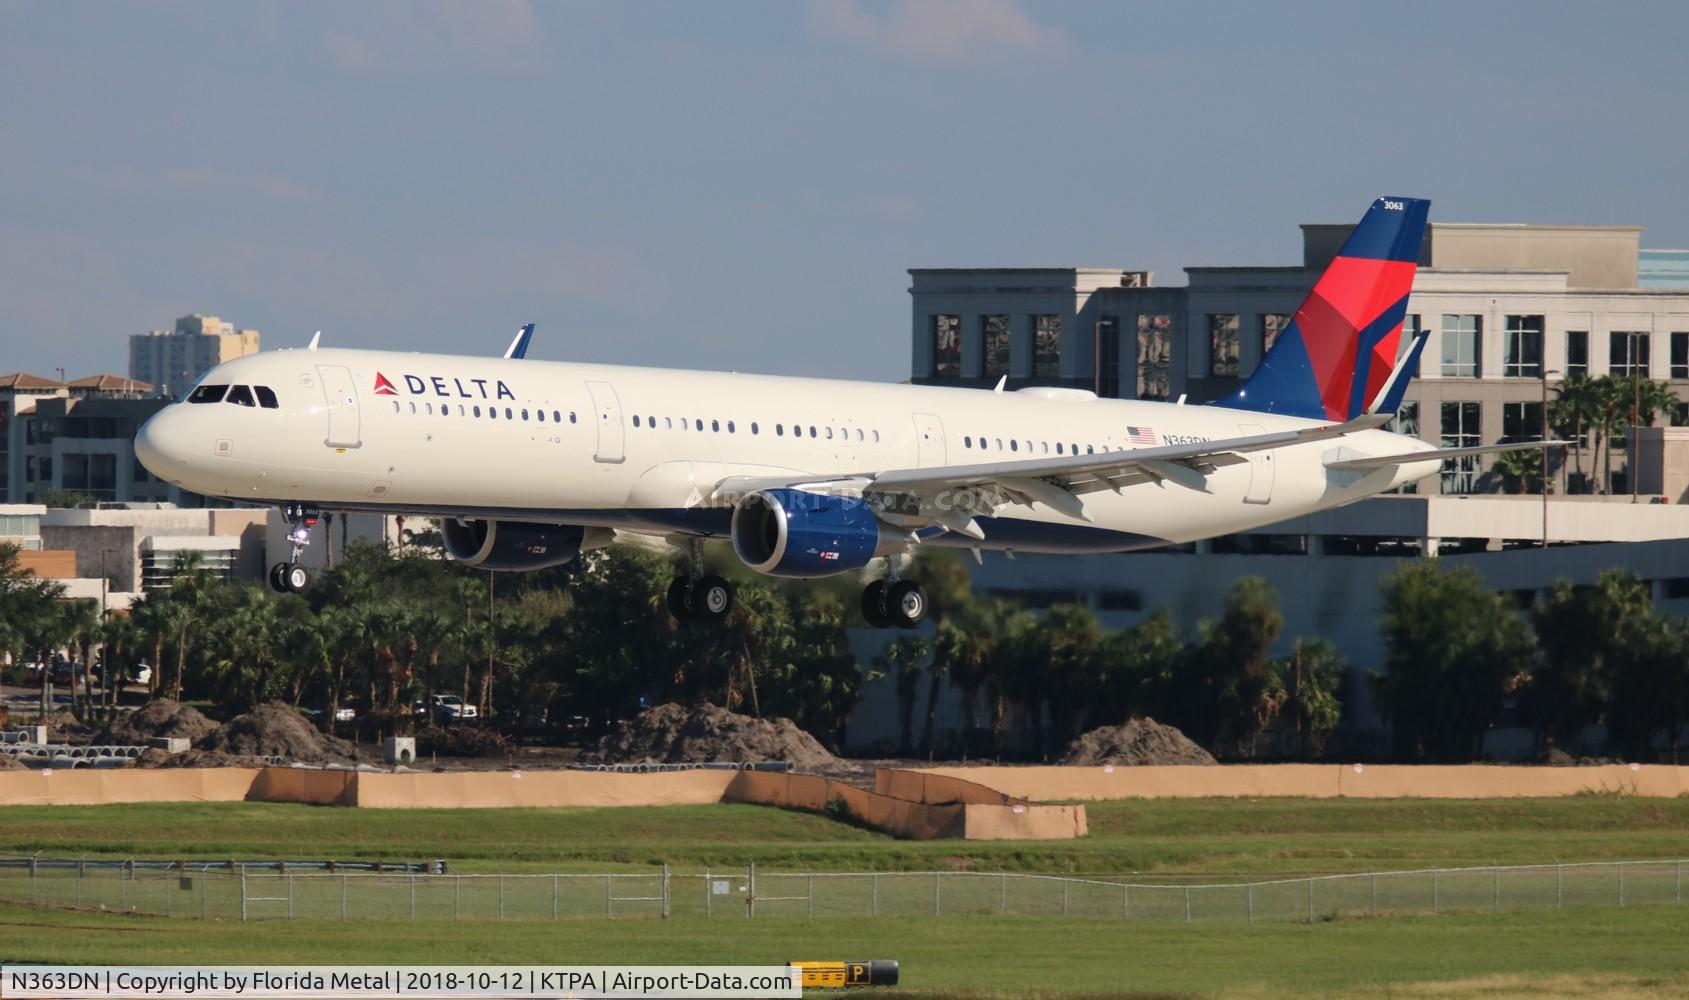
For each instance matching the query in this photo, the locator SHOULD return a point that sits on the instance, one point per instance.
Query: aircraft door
(340, 394)
(929, 441)
(1261, 469)
(607, 410)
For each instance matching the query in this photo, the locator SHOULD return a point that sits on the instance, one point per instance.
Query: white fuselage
(641, 449)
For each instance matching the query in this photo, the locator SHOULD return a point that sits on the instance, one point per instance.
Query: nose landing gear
(291, 577)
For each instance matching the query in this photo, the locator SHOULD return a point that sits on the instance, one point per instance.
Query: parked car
(345, 714)
(451, 708)
(142, 674)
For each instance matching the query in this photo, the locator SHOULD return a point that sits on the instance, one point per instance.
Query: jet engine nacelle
(793, 533)
(511, 545)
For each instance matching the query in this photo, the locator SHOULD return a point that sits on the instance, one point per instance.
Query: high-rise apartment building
(173, 360)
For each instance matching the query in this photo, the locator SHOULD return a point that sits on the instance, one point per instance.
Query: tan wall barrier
(935, 788)
(83, 787)
(293, 784)
(898, 817)
(1024, 822)
(1320, 781)
(539, 789)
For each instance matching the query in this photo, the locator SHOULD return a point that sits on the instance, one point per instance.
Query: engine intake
(511, 545)
(793, 533)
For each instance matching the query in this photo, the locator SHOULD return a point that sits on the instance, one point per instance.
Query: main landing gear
(699, 596)
(290, 577)
(894, 602)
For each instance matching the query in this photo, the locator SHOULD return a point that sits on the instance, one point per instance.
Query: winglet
(518, 348)
(315, 337)
(1389, 398)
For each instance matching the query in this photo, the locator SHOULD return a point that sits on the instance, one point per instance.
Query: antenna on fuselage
(1001, 383)
(315, 338)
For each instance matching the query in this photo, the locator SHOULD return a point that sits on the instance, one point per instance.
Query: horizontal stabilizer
(1415, 457)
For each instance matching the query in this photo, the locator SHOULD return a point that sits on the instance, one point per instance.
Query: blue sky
(743, 185)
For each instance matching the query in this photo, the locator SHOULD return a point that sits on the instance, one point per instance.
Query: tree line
(580, 646)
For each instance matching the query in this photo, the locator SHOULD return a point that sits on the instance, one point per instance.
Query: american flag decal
(1141, 435)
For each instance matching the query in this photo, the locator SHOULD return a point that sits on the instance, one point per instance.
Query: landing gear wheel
(874, 605)
(680, 599)
(278, 582)
(906, 604)
(712, 598)
(296, 578)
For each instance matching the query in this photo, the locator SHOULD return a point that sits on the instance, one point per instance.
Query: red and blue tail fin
(1335, 358)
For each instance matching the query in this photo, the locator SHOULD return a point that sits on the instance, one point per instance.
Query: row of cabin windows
(510, 413)
(1030, 447)
(715, 426)
(240, 395)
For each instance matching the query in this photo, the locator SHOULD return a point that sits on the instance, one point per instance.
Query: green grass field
(1582, 950)
(1589, 952)
(1169, 837)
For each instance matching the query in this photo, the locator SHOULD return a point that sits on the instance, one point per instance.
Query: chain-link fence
(235, 892)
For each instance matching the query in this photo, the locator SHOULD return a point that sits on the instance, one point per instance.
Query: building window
(994, 331)
(1155, 356)
(1046, 346)
(1460, 345)
(1222, 344)
(1680, 354)
(946, 346)
(1108, 355)
(1577, 352)
(1406, 420)
(1521, 422)
(1460, 430)
(1524, 347)
(1627, 353)
(1272, 324)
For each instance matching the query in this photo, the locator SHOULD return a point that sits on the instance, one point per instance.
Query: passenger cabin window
(266, 397)
(208, 394)
(240, 395)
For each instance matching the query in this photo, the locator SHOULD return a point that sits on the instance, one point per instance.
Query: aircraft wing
(951, 495)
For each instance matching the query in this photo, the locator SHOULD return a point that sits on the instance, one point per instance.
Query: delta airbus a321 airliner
(528, 463)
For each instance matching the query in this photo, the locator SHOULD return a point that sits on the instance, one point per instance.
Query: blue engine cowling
(511, 545)
(793, 533)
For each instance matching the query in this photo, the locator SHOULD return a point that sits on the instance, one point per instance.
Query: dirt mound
(65, 727)
(196, 758)
(1138, 742)
(275, 729)
(676, 734)
(161, 717)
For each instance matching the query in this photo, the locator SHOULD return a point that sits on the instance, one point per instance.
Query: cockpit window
(240, 395)
(208, 394)
(266, 397)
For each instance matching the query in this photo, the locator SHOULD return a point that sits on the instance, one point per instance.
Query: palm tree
(1572, 413)
(903, 656)
(82, 627)
(188, 593)
(1520, 470)
(1654, 397)
(120, 636)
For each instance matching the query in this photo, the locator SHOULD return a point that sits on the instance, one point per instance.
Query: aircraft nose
(159, 444)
